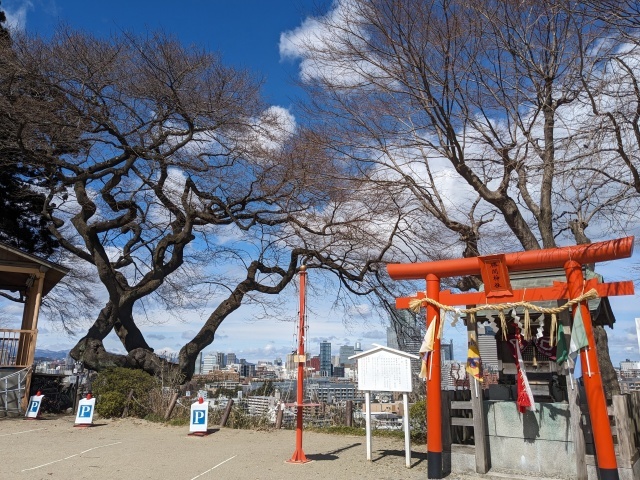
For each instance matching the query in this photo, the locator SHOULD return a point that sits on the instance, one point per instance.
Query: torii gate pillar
(434, 406)
(594, 389)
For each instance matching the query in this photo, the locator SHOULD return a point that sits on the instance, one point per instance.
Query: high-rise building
(392, 338)
(231, 358)
(406, 331)
(446, 379)
(290, 362)
(314, 363)
(488, 347)
(248, 370)
(358, 348)
(346, 351)
(209, 362)
(446, 350)
(221, 359)
(198, 367)
(325, 359)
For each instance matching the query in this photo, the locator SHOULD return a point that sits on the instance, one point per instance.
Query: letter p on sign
(85, 411)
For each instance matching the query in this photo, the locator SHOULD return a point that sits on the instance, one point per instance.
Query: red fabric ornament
(524, 399)
(523, 402)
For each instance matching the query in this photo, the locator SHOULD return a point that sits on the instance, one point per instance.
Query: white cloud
(291, 41)
(276, 125)
(315, 43)
(16, 12)
(361, 310)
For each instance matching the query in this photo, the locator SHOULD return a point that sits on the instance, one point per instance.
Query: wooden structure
(495, 270)
(30, 278)
(625, 411)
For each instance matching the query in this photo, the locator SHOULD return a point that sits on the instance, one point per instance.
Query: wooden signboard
(384, 371)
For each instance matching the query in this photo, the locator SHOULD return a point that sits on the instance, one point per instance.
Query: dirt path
(116, 449)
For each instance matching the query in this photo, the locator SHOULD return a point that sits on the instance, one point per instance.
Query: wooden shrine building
(29, 279)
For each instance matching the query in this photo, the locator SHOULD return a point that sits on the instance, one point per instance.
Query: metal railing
(15, 346)
(12, 388)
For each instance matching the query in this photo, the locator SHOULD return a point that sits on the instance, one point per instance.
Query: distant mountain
(50, 354)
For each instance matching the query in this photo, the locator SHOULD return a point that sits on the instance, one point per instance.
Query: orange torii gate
(494, 270)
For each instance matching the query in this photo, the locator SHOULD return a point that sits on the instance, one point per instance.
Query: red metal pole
(434, 407)
(602, 438)
(299, 456)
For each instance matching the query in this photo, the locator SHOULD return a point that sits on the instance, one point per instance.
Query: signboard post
(33, 410)
(384, 369)
(86, 407)
(199, 420)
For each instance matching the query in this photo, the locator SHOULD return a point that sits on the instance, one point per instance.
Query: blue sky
(247, 34)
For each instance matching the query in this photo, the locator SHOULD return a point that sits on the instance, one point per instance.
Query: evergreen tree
(21, 223)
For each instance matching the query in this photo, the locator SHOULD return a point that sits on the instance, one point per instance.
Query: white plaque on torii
(384, 369)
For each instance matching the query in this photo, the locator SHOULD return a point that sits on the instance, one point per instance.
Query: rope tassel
(527, 325)
(503, 324)
(554, 326)
(417, 303)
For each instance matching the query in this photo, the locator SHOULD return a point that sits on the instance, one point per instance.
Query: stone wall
(536, 442)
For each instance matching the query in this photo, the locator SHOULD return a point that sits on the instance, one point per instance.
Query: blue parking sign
(33, 410)
(199, 416)
(86, 407)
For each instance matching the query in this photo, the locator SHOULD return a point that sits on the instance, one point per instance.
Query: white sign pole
(407, 440)
(367, 401)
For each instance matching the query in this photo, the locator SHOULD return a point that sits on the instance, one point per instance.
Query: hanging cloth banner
(474, 362)
(578, 341)
(562, 353)
(427, 347)
(577, 368)
(578, 334)
(543, 345)
(525, 400)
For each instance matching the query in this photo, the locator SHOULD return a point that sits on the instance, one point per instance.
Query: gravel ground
(52, 448)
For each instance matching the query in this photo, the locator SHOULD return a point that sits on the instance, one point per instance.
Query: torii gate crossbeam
(571, 259)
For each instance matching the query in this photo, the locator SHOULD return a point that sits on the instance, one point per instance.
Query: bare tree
(170, 178)
(472, 112)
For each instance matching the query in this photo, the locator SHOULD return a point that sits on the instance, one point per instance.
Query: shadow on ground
(203, 434)
(331, 455)
(416, 457)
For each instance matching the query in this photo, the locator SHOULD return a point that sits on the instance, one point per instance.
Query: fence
(15, 346)
(12, 389)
